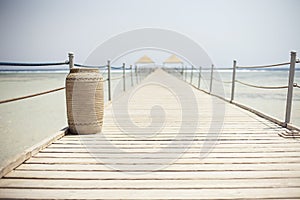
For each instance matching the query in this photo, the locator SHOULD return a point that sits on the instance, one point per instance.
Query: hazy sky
(251, 31)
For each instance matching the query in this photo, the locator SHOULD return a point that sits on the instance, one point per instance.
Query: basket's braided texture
(85, 102)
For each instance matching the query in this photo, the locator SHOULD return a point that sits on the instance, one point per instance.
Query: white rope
(262, 87)
(263, 66)
(31, 95)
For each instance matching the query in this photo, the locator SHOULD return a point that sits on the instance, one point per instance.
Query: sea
(26, 122)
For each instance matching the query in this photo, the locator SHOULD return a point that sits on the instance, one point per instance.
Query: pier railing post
(233, 80)
(182, 71)
(109, 80)
(211, 78)
(289, 99)
(192, 75)
(131, 75)
(124, 81)
(185, 76)
(136, 74)
(199, 78)
(71, 60)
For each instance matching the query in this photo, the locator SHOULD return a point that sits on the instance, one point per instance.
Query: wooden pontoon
(246, 159)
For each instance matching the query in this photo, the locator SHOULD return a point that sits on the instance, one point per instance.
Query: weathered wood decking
(248, 158)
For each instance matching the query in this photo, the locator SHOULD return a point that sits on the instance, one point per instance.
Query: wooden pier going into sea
(247, 157)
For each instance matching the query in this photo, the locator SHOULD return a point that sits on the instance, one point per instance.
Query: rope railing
(223, 68)
(188, 71)
(183, 71)
(261, 87)
(46, 92)
(31, 95)
(33, 64)
(20, 64)
(106, 69)
(262, 66)
(91, 66)
(289, 87)
(116, 67)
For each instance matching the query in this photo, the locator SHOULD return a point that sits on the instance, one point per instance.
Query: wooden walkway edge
(245, 159)
(28, 153)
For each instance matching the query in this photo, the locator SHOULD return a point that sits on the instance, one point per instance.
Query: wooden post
(108, 80)
(124, 82)
(71, 60)
(192, 75)
(211, 78)
(131, 75)
(182, 70)
(289, 99)
(233, 80)
(136, 75)
(185, 69)
(199, 78)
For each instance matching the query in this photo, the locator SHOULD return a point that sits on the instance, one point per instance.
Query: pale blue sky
(251, 31)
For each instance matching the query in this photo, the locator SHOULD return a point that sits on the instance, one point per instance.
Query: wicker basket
(84, 96)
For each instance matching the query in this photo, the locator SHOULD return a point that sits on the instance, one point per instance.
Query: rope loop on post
(296, 85)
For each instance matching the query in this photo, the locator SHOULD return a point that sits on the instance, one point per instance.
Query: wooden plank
(172, 167)
(148, 184)
(25, 155)
(204, 125)
(206, 130)
(95, 175)
(178, 142)
(118, 134)
(157, 155)
(174, 124)
(199, 146)
(171, 137)
(258, 193)
(173, 149)
(158, 161)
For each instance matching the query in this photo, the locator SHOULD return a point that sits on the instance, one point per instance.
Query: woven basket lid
(84, 70)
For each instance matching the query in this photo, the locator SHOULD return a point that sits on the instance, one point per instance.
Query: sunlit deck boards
(248, 158)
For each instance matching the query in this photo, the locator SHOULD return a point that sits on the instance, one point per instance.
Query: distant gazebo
(144, 60)
(173, 59)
